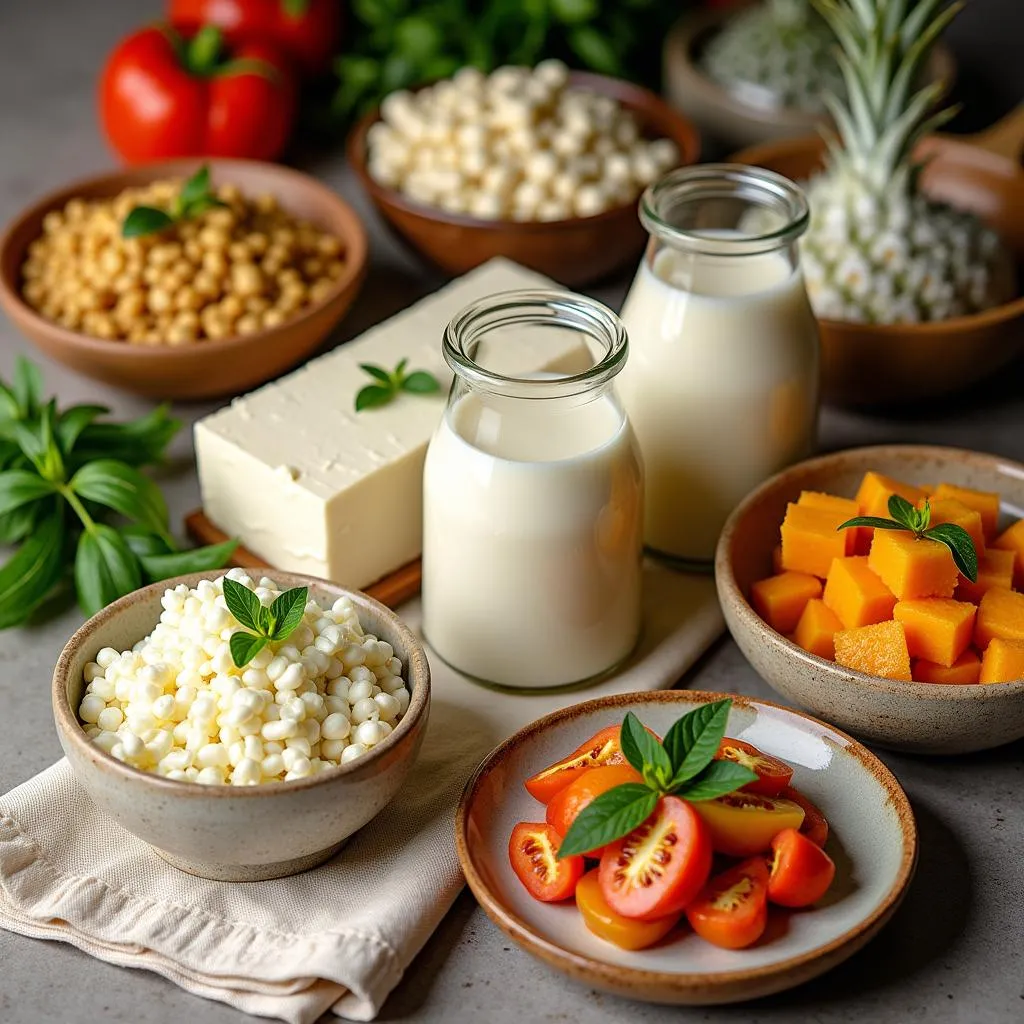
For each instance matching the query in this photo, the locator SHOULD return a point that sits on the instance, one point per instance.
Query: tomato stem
(203, 50)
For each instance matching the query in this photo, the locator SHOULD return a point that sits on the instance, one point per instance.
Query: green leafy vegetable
(268, 625)
(683, 765)
(391, 384)
(196, 197)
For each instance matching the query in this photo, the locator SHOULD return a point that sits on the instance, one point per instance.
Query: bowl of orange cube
(877, 630)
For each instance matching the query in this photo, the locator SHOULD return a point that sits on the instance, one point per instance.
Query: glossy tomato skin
(308, 33)
(773, 774)
(801, 871)
(731, 911)
(815, 825)
(624, 932)
(742, 824)
(532, 851)
(601, 749)
(660, 866)
(567, 803)
(154, 108)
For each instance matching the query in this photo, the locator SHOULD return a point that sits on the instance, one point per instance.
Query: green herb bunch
(682, 765)
(268, 624)
(389, 384)
(73, 500)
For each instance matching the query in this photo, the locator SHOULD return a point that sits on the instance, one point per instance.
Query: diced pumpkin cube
(1003, 661)
(1013, 540)
(811, 539)
(876, 490)
(816, 629)
(777, 559)
(856, 595)
(879, 650)
(995, 569)
(963, 672)
(936, 628)
(1000, 614)
(847, 508)
(780, 600)
(949, 510)
(912, 568)
(985, 503)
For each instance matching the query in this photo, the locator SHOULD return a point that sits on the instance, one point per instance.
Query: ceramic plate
(873, 841)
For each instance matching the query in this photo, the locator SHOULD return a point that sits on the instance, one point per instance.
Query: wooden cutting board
(393, 590)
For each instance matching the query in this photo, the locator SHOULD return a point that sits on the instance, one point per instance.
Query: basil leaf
(53, 460)
(137, 442)
(574, 11)
(960, 544)
(105, 568)
(874, 522)
(595, 50)
(200, 206)
(118, 486)
(160, 566)
(643, 751)
(373, 396)
(242, 603)
(902, 511)
(615, 813)
(245, 647)
(145, 220)
(421, 383)
(32, 571)
(27, 386)
(287, 611)
(693, 740)
(377, 372)
(27, 437)
(73, 421)
(197, 186)
(145, 543)
(8, 403)
(719, 778)
(17, 525)
(18, 487)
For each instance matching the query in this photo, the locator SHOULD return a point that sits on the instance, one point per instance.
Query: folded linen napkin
(338, 937)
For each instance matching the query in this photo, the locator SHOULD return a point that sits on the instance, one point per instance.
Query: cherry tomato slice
(801, 871)
(732, 909)
(601, 749)
(567, 803)
(660, 866)
(815, 827)
(742, 824)
(532, 849)
(773, 775)
(605, 923)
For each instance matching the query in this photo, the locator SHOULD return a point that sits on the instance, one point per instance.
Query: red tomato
(567, 803)
(801, 871)
(308, 32)
(773, 775)
(660, 866)
(742, 824)
(814, 826)
(161, 97)
(732, 909)
(532, 849)
(624, 932)
(601, 749)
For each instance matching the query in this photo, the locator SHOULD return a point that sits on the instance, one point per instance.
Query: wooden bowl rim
(355, 239)
(687, 138)
(731, 593)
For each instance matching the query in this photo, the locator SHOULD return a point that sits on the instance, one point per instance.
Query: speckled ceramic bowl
(873, 840)
(922, 718)
(228, 832)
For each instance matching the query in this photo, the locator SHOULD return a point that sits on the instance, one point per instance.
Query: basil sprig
(274, 623)
(390, 383)
(916, 521)
(682, 765)
(195, 197)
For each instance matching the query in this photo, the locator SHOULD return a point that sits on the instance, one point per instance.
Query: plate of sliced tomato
(686, 847)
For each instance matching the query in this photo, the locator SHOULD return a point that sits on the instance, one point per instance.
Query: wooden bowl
(576, 251)
(879, 364)
(923, 718)
(206, 368)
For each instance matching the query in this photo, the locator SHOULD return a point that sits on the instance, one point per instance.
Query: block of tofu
(311, 486)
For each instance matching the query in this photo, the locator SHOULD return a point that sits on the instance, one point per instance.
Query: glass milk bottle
(533, 494)
(722, 381)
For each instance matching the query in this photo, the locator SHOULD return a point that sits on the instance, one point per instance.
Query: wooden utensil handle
(1005, 137)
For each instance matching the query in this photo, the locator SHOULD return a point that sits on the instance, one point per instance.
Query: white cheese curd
(177, 705)
(556, 150)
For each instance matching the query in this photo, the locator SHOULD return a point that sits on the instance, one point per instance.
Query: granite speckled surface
(951, 954)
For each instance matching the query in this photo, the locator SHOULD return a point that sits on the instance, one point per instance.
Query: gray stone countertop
(953, 950)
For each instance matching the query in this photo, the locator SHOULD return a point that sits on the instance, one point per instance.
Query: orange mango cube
(1000, 614)
(811, 539)
(856, 595)
(985, 503)
(780, 600)
(995, 569)
(1013, 540)
(963, 672)
(847, 508)
(816, 630)
(949, 510)
(876, 490)
(936, 628)
(912, 568)
(879, 650)
(1003, 661)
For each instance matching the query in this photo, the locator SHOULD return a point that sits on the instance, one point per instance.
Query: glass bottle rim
(539, 307)
(758, 185)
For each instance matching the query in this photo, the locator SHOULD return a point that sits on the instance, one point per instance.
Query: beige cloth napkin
(338, 937)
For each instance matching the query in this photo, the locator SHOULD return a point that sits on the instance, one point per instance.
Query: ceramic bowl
(886, 364)
(576, 251)
(924, 718)
(208, 368)
(238, 833)
(873, 840)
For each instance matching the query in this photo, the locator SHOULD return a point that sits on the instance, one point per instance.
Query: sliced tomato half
(601, 749)
(801, 871)
(624, 932)
(533, 849)
(742, 824)
(815, 825)
(732, 909)
(567, 803)
(773, 775)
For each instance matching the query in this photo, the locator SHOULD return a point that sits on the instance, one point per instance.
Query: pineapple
(776, 54)
(877, 249)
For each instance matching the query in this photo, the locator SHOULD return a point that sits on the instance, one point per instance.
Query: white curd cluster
(517, 144)
(177, 705)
